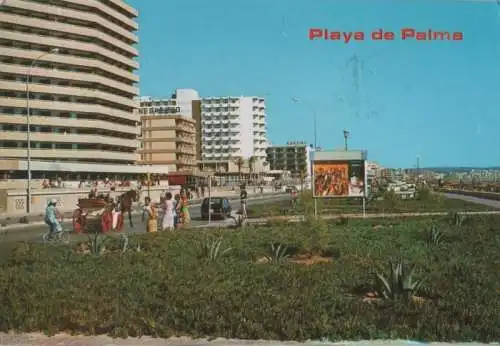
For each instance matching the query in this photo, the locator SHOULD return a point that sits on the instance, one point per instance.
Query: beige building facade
(77, 59)
(169, 140)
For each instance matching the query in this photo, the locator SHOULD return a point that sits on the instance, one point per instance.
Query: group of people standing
(174, 212)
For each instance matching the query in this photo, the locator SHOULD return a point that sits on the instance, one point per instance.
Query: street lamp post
(418, 169)
(28, 122)
(315, 124)
(346, 136)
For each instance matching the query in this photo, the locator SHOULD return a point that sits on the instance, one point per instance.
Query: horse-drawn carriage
(92, 204)
(98, 205)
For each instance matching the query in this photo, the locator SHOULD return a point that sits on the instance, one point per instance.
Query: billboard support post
(315, 207)
(364, 206)
(313, 188)
(209, 199)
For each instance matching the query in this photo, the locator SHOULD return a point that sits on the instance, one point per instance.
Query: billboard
(339, 178)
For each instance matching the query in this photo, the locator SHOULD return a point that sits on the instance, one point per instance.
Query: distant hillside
(457, 169)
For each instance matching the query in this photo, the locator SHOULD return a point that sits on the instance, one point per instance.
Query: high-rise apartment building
(80, 59)
(232, 128)
(168, 131)
(293, 157)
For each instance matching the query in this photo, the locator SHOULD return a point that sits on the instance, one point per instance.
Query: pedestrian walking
(152, 213)
(169, 213)
(243, 201)
(79, 219)
(107, 219)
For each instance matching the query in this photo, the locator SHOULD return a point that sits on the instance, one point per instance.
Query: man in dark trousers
(243, 201)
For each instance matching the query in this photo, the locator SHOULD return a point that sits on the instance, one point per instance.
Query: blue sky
(401, 99)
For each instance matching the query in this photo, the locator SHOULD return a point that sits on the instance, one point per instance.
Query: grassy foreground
(262, 283)
(427, 202)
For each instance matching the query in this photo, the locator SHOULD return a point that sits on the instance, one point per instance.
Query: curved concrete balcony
(73, 14)
(12, 102)
(37, 120)
(70, 60)
(69, 138)
(126, 7)
(67, 91)
(66, 28)
(70, 154)
(108, 11)
(71, 76)
(69, 44)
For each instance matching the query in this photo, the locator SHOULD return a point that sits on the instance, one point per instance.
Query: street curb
(299, 218)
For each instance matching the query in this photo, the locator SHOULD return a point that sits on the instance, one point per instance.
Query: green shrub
(173, 287)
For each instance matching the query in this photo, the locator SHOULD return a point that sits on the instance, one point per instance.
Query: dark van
(220, 208)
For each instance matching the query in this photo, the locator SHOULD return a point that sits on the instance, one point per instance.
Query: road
(477, 200)
(32, 232)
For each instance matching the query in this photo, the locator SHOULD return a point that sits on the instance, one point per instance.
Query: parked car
(219, 208)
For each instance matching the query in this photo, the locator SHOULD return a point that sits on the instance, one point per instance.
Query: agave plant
(3, 233)
(460, 220)
(239, 221)
(277, 254)
(212, 251)
(397, 283)
(124, 242)
(434, 236)
(96, 243)
(457, 219)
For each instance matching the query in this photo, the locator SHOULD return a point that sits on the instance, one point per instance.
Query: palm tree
(251, 168)
(239, 162)
(302, 176)
(251, 165)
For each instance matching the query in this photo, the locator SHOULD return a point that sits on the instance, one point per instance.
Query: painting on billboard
(339, 179)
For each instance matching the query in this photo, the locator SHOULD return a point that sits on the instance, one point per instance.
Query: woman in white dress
(168, 213)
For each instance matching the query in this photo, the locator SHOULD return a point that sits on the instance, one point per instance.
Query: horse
(126, 201)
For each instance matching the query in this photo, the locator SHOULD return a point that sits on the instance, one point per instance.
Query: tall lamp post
(315, 124)
(346, 137)
(418, 168)
(28, 122)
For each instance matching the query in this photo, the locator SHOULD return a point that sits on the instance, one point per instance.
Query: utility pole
(418, 168)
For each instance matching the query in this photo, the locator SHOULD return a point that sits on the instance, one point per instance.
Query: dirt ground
(66, 340)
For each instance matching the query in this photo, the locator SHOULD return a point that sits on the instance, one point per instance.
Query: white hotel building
(233, 127)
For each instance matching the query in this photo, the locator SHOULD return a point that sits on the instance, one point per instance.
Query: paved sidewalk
(66, 340)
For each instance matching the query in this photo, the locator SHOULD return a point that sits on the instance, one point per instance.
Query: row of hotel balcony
(226, 100)
(180, 127)
(189, 150)
(209, 138)
(109, 19)
(229, 115)
(70, 45)
(218, 109)
(233, 132)
(184, 162)
(67, 75)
